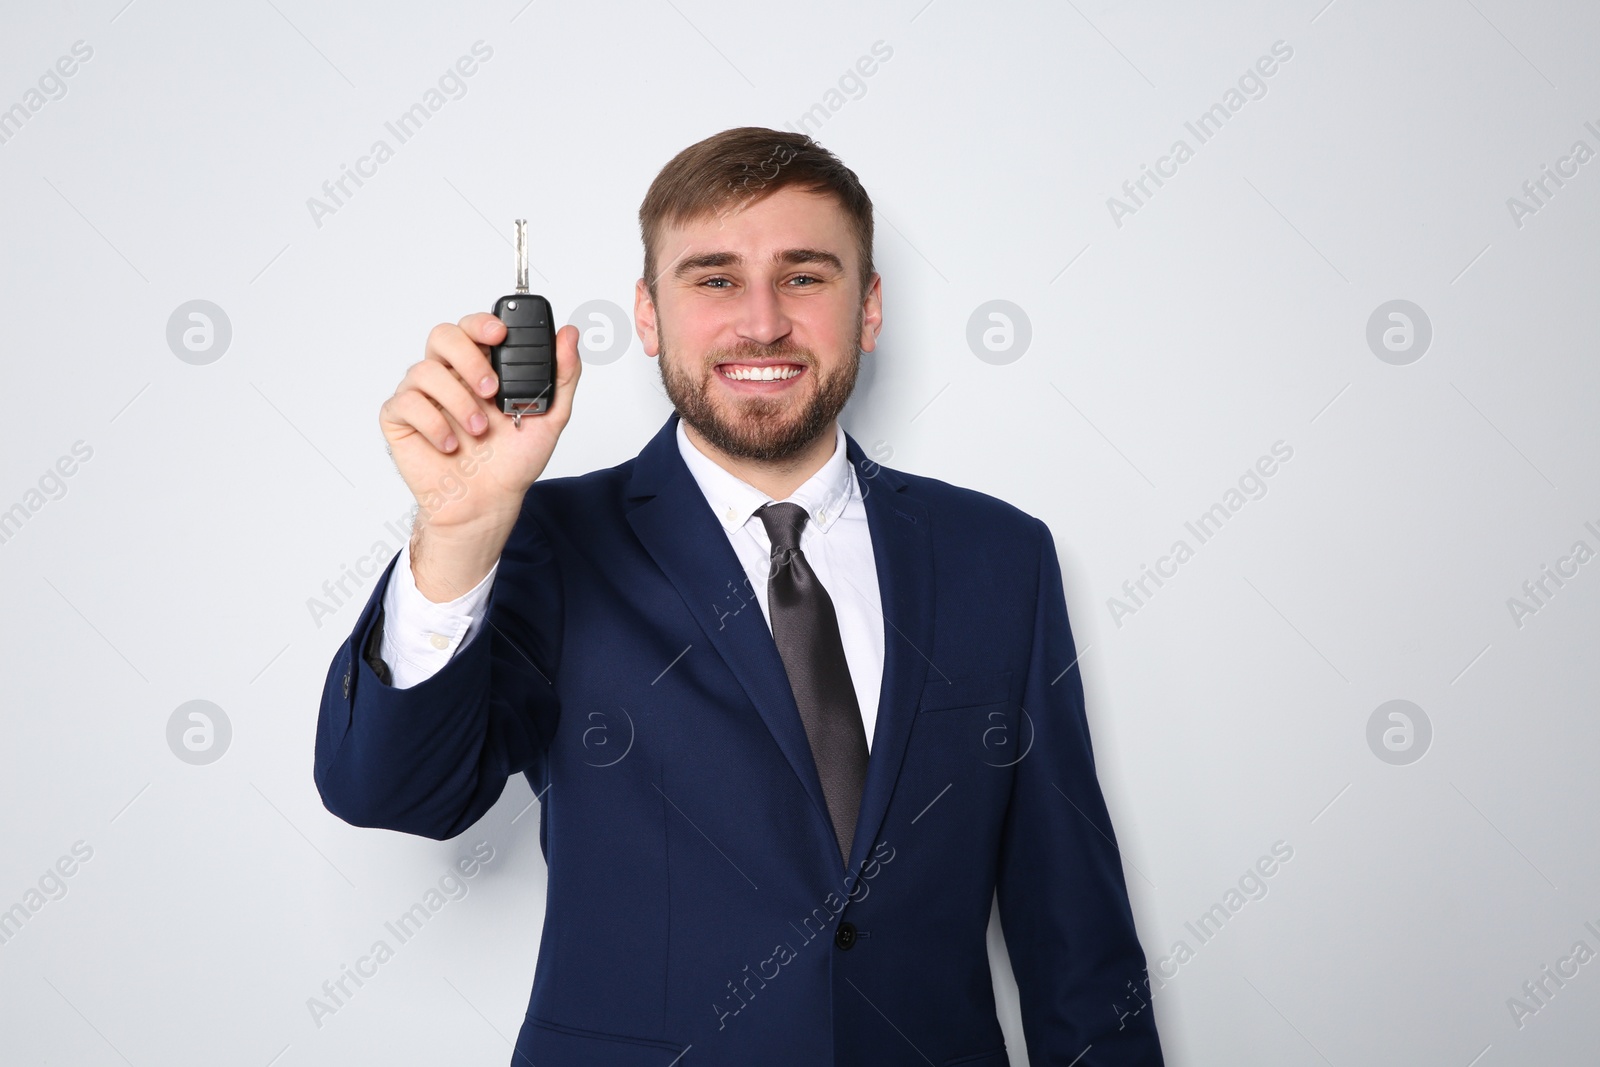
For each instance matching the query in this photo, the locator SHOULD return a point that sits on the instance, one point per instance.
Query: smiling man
(797, 720)
(781, 338)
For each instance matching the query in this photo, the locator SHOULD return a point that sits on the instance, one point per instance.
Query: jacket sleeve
(1063, 904)
(432, 758)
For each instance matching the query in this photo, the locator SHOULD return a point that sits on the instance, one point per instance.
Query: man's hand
(461, 457)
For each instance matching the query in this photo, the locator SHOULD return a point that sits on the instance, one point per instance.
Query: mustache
(784, 350)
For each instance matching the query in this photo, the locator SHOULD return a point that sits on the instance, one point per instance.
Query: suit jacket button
(845, 935)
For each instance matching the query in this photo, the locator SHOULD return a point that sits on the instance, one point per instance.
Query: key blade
(522, 255)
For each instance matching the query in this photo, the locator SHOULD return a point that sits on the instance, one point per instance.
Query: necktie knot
(784, 523)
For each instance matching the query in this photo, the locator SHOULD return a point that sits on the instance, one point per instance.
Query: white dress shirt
(420, 636)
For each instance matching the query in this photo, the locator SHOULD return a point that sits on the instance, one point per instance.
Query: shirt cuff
(419, 635)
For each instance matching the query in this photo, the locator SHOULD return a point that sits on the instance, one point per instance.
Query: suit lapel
(673, 522)
(902, 552)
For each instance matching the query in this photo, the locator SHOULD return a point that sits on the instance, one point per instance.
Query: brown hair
(744, 165)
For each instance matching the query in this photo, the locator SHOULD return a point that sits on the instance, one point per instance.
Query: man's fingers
(483, 328)
(456, 346)
(568, 367)
(414, 410)
(458, 354)
(440, 383)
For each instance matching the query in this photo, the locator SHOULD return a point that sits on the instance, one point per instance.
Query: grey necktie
(806, 630)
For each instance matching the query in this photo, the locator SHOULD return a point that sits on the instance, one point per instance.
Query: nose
(762, 319)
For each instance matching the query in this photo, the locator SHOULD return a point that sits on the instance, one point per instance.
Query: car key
(524, 363)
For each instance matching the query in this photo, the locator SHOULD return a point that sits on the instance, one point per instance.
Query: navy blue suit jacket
(698, 912)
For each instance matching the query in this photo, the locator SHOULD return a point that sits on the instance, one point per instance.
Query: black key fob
(525, 362)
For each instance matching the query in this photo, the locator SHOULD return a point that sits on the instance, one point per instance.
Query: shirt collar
(733, 500)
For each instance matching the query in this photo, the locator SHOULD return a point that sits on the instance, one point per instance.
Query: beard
(761, 428)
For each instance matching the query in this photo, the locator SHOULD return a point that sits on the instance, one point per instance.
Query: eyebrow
(787, 256)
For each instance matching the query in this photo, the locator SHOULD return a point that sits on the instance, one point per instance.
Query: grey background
(1167, 354)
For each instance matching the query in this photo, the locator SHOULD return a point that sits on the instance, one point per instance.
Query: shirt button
(731, 514)
(439, 641)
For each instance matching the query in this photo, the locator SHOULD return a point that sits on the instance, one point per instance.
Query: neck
(776, 478)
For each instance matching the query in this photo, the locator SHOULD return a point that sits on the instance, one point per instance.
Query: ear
(871, 314)
(644, 319)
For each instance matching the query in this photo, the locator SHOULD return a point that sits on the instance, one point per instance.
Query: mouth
(768, 377)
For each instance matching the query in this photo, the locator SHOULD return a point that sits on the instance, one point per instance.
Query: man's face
(770, 288)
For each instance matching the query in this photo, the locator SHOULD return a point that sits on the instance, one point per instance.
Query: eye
(805, 277)
(708, 281)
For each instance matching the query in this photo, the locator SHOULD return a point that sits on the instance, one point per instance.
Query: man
(794, 717)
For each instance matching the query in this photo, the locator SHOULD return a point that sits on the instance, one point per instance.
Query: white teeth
(760, 374)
